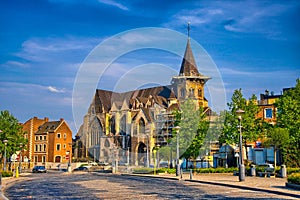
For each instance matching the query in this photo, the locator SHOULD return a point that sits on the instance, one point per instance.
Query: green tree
(11, 130)
(278, 138)
(193, 128)
(288, 117)
(252, 126)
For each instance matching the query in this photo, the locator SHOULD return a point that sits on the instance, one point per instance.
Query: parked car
(163, 164)
(101, 163)
(82, 168)
(39, 169)
(267, 167)
(93, 163)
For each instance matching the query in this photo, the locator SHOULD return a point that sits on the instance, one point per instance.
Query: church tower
(190, 83)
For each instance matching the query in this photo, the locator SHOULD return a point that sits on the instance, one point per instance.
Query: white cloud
(51, 49)
(114, 3)
(236, 16)
(12, 63)
(55, 90)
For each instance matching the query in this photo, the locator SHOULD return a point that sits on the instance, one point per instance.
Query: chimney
(61, 119)
(46, 119)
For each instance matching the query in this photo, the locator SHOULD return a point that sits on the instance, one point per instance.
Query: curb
(293, 186)
(220, 184)
(246, 188)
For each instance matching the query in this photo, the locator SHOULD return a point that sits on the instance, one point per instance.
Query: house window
(43, 159)
(35, 159)
(36, 148)
(45, 137)
(36, 138)
(58, 147)
(65, 146)
(65, 135)
(58, 135)
(45, 147)
(41, 137)
(40, 147)
(268, 113)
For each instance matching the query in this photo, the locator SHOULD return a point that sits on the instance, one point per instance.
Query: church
(128, 127)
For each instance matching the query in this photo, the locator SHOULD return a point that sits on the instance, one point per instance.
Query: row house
(48, 141)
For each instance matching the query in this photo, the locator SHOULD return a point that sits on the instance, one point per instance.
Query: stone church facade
(128, 126)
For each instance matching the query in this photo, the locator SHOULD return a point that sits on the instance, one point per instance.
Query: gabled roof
(49, 127)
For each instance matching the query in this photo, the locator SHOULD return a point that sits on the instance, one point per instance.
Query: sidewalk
(269, 185)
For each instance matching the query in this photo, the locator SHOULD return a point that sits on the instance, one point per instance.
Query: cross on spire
(189, 28)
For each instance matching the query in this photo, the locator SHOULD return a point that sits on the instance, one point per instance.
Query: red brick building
(48, 141)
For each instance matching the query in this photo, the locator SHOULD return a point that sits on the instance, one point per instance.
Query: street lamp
(177, 151)
(5, 143)
(239, 113)
(20, 158)
(69, 155)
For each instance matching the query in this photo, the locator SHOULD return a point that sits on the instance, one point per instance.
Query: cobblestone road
(108, 186)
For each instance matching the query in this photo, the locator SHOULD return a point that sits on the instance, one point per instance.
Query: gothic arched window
(182, 92)
(141, 126)
(113, 125)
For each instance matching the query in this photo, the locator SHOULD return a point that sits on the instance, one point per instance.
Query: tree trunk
(274, 157)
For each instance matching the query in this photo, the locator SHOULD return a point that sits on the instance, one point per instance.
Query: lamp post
(177, 151)
(20, 158)
(239, 113)
(69, 155)
(5, 143)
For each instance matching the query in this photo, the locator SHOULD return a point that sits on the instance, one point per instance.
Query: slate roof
(48, 127)
(188, 65)
(104, 98)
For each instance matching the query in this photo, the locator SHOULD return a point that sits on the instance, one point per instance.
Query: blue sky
(254, 44)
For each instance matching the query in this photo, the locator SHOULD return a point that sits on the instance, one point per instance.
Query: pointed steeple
(188, 65)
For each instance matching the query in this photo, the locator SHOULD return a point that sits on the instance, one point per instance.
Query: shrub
(7, 174)
(294, 178)
(142, 170)
(292, 170)
(215, 170)
(166, 170)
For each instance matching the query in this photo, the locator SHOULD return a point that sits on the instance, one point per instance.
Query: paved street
(84, 185)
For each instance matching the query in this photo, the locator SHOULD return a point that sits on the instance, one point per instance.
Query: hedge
(294, 178)
(145, 170)
(7, 174)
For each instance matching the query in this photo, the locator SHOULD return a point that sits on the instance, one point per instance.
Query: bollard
(181, 173)
(17, 172)
(283, 171)
(191, 174)
(252, 170)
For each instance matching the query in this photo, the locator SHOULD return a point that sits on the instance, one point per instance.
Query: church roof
(188, 65)
(104, 100)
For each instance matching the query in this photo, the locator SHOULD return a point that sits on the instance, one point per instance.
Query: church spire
(188, 65)
(188, 28)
